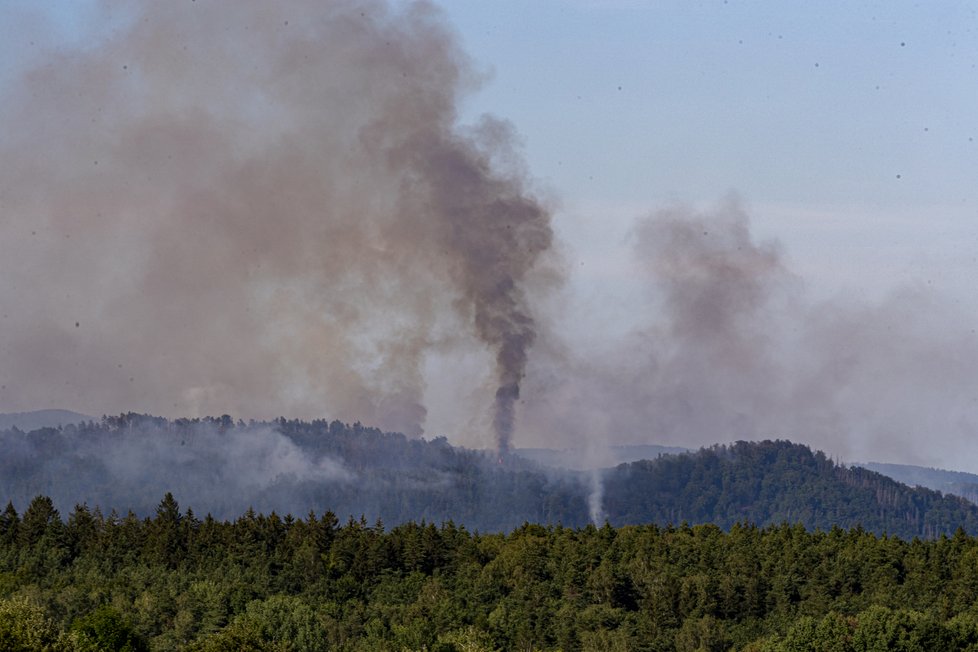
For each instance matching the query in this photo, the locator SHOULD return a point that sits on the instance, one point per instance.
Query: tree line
(223, 467)
(174, 581)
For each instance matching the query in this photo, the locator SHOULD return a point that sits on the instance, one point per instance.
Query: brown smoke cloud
(259, 209)
(270, 208)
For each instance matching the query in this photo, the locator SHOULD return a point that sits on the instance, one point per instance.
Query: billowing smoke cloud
(272, 209)
(260, 209)
(732, 347)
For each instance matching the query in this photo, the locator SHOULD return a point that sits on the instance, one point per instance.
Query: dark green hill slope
(771, 482)
(223, 467)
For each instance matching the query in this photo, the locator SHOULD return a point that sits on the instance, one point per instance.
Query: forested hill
(40, 419)
(772, 482)
(223, 467)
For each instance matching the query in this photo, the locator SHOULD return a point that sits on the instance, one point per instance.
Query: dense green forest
(223, 467)
(775, 482)
(268, 582)
(407, 544)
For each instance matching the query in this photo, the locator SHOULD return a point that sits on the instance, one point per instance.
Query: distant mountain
(958, 483)
(40, 419)
(580, 459)
(771, 482)
(223, 467)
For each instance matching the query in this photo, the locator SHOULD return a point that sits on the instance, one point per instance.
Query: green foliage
(105, 630)
(773, 482)
(238, 637)
(468, 639)
(287, 584)
(25, 627)
(286, 622)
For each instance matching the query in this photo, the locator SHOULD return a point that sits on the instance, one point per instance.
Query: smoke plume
(729, 345)
(271, 208)
(258, 209)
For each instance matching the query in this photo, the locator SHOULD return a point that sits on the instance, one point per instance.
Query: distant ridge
(579, 459)
(958, 483)
(222, 467)
(771, 482)
(33, 420)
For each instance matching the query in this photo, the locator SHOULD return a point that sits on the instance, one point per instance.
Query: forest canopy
(268, 582)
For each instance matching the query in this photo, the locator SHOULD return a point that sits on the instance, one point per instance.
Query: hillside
(772, 482)
(36, 419)
(223, 467)
(958, 483)
(580, 459)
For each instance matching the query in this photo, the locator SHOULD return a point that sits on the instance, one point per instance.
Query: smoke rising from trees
(259, 210)
(274, 210)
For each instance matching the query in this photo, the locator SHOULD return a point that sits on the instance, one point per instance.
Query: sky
(833, 143)
(848, 128)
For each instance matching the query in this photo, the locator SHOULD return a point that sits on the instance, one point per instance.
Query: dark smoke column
(493, 232)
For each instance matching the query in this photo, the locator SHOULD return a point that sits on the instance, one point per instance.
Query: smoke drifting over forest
(737, 349)
(261, 210)
(273, 210)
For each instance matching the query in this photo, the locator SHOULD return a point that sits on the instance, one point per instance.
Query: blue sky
(848, 129)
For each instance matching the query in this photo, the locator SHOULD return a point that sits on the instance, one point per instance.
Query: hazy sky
(847, 131)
